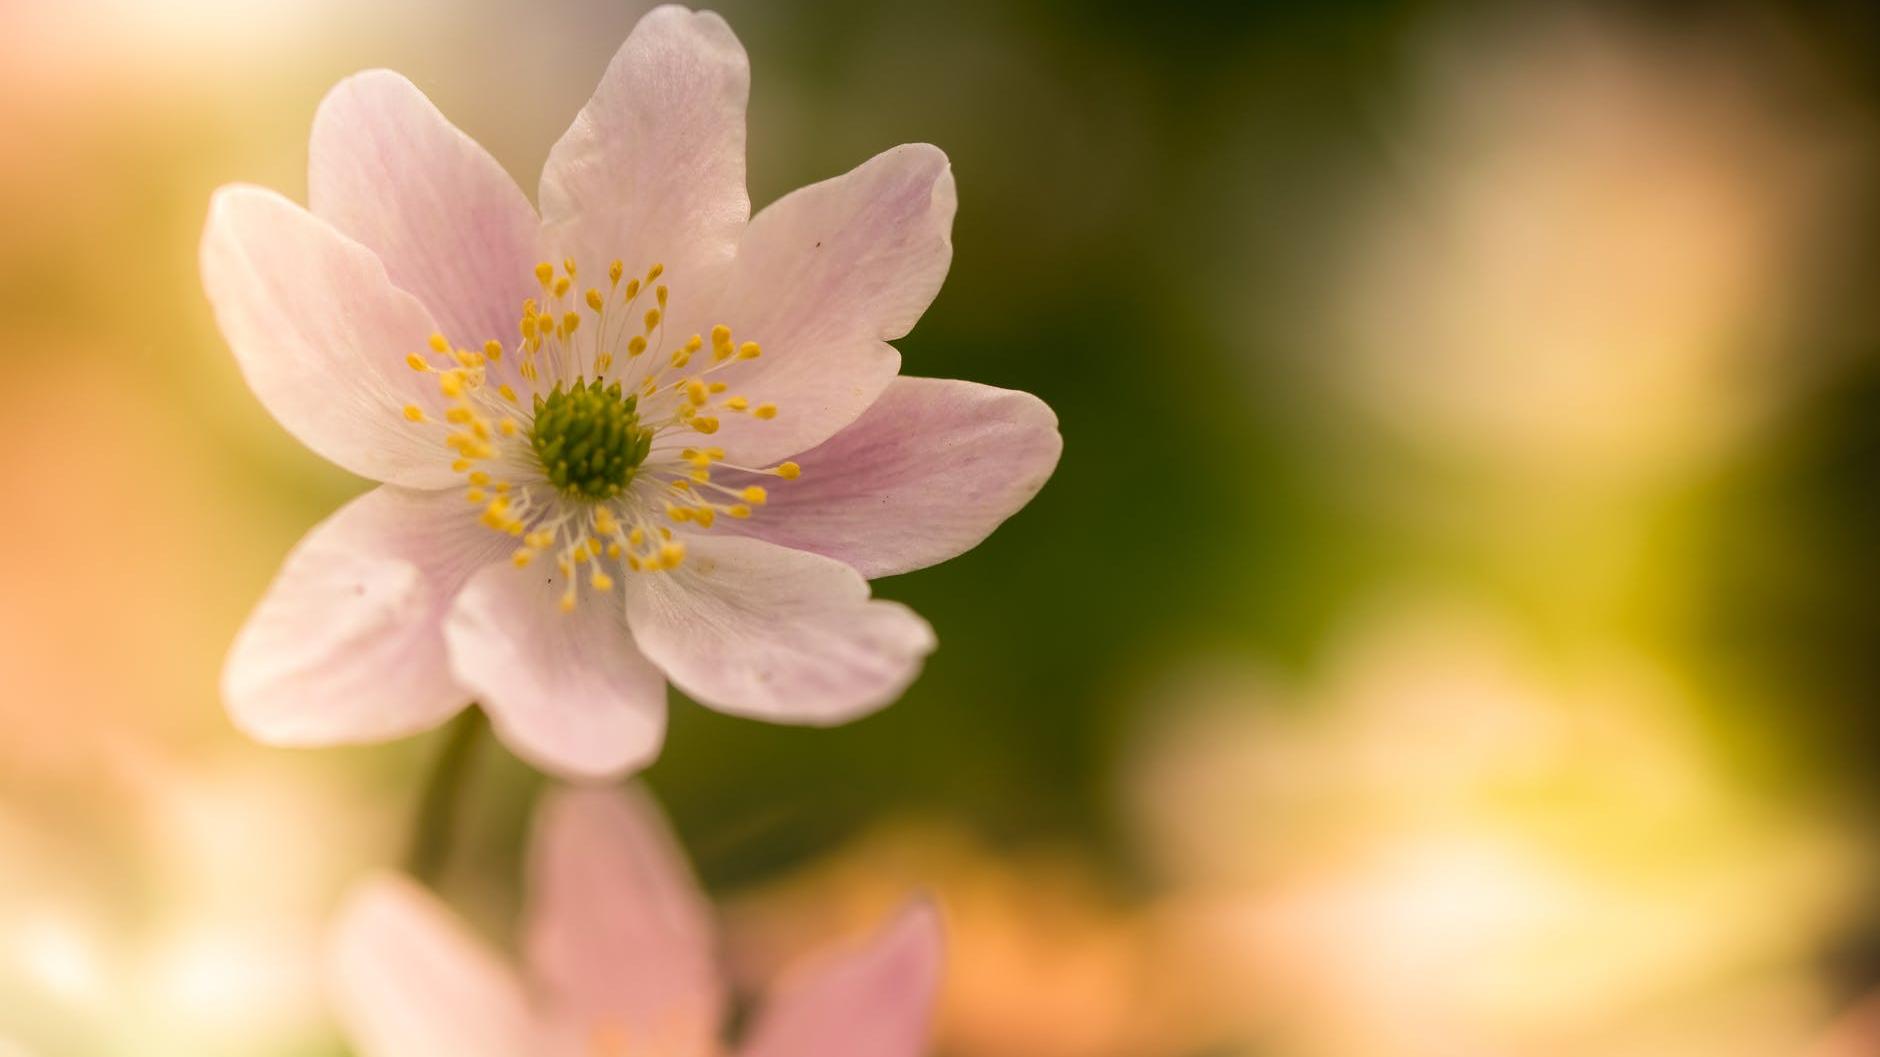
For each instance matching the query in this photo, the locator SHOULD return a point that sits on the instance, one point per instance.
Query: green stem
(436, 821)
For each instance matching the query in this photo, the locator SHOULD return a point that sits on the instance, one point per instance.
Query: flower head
(618, 960)
(643, 437)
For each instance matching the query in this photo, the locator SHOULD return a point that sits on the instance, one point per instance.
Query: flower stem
(435, 823)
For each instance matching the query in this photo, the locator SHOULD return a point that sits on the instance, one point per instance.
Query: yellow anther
(604, 522)
(545, 273)
(706, 515)
(659, 292)
(417, 362)
(633, 289)
(507, 393)
(679, 513)
(636, 345)
(614, 271)
(755, 495)
(540, 539)
(694, 343)
(636, 537)
(459, 414)
(451, 382)
(581, 552)
(655, 272)
(750, 350)
(705, 424)
(480, 479)
(738, 510)
(493, 349)
(671, 554)
(570, 321)
(633, 562)
(702, 476)
(594, 299)
(522, 556)
(438, 344)
(467, 358)
(737, 403)
(567, 265)
(765, 411)
(721, 335)
(718, 387)
(508, 427)
(459, 465)
(414, 412)
(567, 602)
(601, 581)
(695, 392)
(561, 286)
(613, 550)
(652, 318)
(476, 495)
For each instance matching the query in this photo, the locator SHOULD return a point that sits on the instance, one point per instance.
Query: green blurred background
(1452, 627)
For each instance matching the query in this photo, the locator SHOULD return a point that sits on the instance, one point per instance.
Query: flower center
(589, 439)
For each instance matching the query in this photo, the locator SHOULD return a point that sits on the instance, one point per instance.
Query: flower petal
(759, 630)
(652, 169)
(450, 225)
(925, 474)
(823, 278)
(618, 932)
(321, 335)
(567, 692)
(872, 1002)
(347, 645)
(407, 980)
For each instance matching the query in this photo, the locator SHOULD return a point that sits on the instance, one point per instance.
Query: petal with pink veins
(452, 228)
(348, 643)
(824, 278)
(407, 980)
(754, 629)
(567, 692)
(652, 169)
(924, 475)
(872, 1002)
(321, 335)
(619, 937)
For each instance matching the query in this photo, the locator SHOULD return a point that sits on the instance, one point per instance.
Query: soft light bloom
(681, 422)
(618, 961)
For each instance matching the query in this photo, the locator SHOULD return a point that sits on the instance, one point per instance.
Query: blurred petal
(407, 980)
(618, 933)
(652, 170)
(450, 225)
(321, 335)
(925, 474)
(566, 691)
(759, 630)
(823, 278)
(872, 1002)
(348, 645)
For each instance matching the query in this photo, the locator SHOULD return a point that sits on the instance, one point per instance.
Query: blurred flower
(1044, 961)
(619, 961)
(1604, 247)
(577, 439)
(1450, 849)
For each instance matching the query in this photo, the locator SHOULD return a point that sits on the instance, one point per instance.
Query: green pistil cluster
(589, 439)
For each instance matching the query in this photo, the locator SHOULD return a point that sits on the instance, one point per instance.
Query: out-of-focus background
(1453, 628)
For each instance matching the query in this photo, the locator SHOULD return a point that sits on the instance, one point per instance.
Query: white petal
(823, 279)
(348, 643)
(450, 225)
(652, 170)
(618, 931)
(321, 335)
(407, 980)
(925, 474)
(758, 630)
(876, 1001)
(566, 691)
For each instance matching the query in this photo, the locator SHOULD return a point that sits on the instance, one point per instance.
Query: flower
(618, 952)
(682, 422)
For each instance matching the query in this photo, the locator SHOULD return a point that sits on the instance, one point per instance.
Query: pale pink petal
(925, 474)
(652, 170)
(321, 335)
(565, 691)
(759, 630)
(387, 169)
(618, 933)
(407, 980)
(872, 1002)
(348, 643)
(823, 279)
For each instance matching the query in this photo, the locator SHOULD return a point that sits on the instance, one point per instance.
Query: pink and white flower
(682, 422)
(619, 960)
